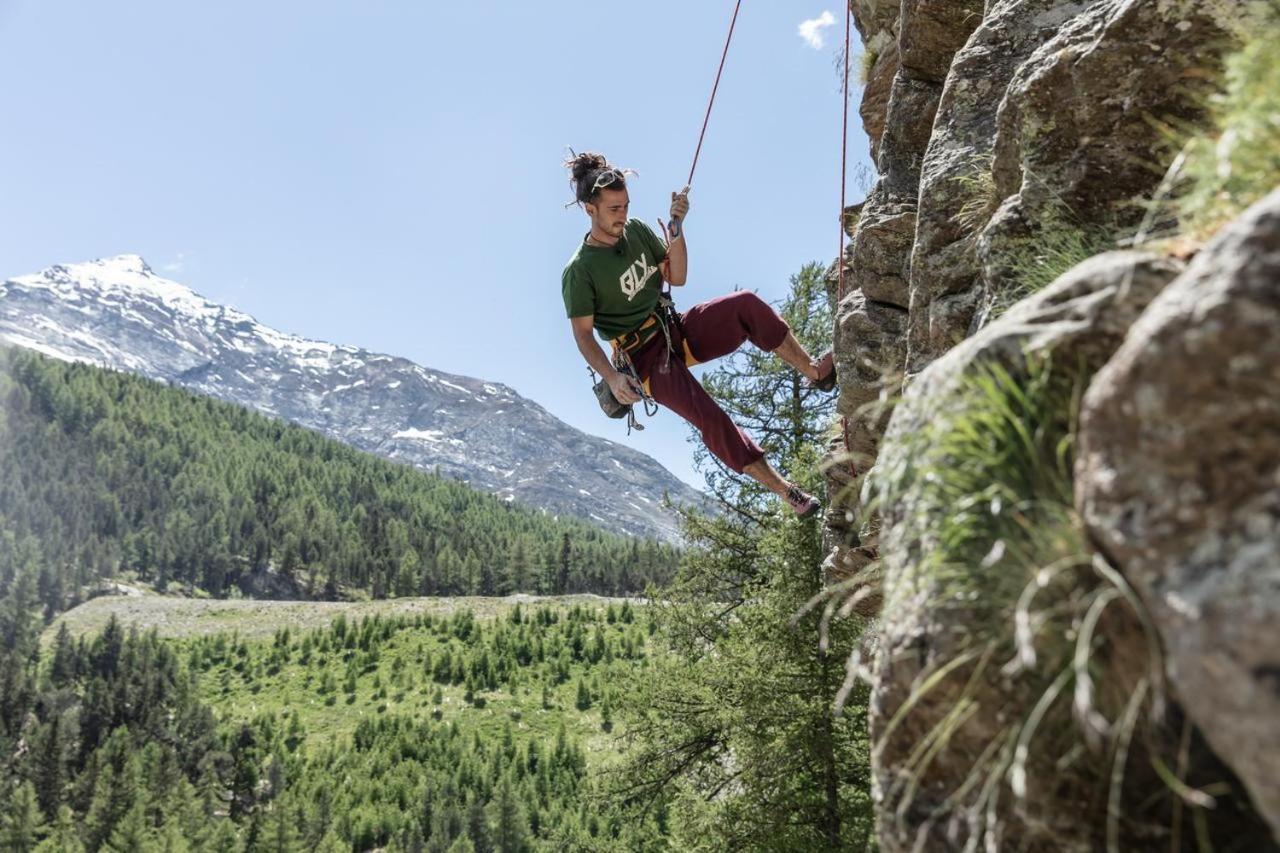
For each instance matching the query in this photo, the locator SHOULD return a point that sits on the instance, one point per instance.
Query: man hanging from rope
(612, 285)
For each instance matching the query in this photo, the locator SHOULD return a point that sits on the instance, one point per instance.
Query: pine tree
(566, 560)
(509, 832)
(22, 824)
(279, 832)
(244, 781)
(48, 772)
(62, 670)
(63, 836)
(478, 827)
(132, 833)
(738, 711)
(583, 701)
(219, 836)
(114, 794)
(170, 838)
(606, 714)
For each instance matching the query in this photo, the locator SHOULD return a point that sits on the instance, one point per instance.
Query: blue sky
(387, 174)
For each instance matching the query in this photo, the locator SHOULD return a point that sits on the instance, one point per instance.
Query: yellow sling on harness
(624, 345)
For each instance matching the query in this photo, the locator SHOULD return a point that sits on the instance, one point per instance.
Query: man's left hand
(680, 204)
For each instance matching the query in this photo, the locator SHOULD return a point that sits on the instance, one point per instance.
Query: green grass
(1048, 644)
(866, 64)
(979, 185)
(1238, 161)
(988, 484)
(1060, 242)
(176, 617)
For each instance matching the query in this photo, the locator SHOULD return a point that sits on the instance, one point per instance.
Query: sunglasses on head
(606, 178)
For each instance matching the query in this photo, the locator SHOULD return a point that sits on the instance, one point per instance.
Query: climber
(612, 285)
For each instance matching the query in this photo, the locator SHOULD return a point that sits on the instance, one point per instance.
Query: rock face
(1179, 483)
(1006, 135)
(872, 310)
(1016, 142)
(934, 627)
(118, 313)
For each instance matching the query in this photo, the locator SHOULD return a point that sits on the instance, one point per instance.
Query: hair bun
(584, 168)
(581, 165)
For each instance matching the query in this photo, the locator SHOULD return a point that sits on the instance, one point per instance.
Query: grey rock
(1074, 142)
(870, 348)
(876, 93)
(875, 17)
(1081, 320)
(881, 248)
(871, 315)
(943, 260)
(1178, 480)
(912, 106)
(931, 31)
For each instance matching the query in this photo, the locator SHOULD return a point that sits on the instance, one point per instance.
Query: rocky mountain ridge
(118, 313)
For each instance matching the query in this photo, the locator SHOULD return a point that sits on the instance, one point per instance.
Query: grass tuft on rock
(1060, 242)
(981, 196)
(989, 483)
(1042, 678)
(1238, 162)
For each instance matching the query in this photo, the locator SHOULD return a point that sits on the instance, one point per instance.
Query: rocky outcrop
(872, 313)
(937, 648)
(1179, 484)
(1006, 135)
(1017, 142)
(1045, 123)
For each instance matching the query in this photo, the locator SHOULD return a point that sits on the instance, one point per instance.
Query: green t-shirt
(617, 285)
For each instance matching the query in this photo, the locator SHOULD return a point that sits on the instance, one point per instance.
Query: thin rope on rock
(844, 164)
(844, 149)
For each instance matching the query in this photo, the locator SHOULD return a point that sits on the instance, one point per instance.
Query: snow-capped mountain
(117, 313)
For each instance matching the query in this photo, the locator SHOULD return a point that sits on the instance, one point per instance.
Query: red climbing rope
(713, 93)
(844, 162)
(844, 148)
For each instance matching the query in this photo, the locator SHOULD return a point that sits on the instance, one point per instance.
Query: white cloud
(176, 266)
(811, 30)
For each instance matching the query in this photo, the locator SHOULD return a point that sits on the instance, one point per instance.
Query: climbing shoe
(826, 380)
(801, 501)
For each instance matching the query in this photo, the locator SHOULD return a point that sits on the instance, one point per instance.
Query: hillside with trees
(102, 472)
(416, 733)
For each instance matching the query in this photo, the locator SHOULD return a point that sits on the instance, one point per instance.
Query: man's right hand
(625, 388)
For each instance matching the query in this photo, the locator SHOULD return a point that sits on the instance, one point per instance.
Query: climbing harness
(663, 319)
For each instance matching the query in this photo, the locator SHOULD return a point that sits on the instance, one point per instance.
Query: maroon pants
(711, 330)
